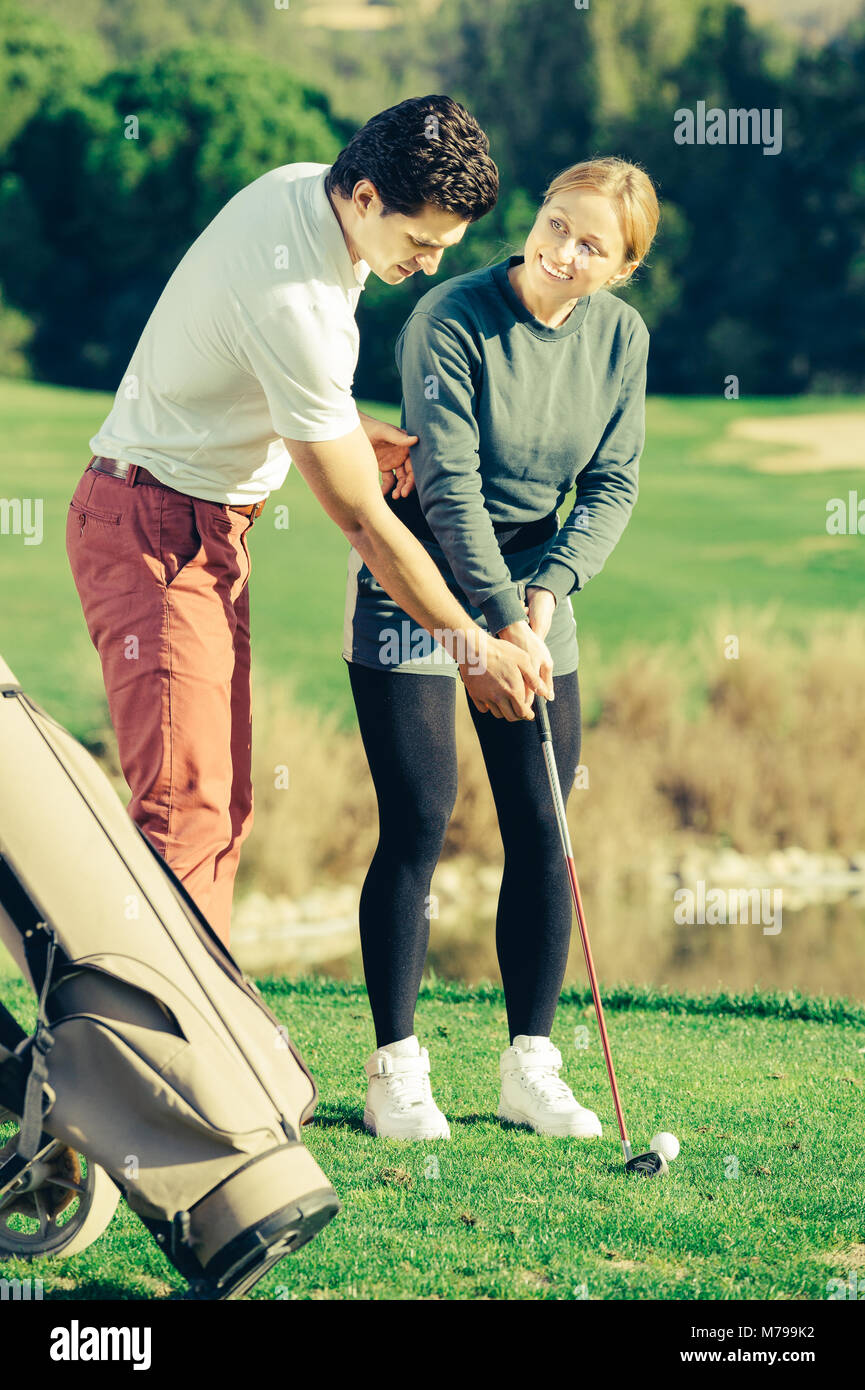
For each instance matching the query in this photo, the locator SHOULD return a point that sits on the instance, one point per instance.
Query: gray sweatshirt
(511, 414)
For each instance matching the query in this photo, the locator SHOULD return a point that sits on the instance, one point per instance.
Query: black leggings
(407, 726)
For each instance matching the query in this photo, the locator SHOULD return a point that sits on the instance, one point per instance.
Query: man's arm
(342, 473)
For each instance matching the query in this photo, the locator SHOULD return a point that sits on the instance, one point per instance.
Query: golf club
(650, 1164)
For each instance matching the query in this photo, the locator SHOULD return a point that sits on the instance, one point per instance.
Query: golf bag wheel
(64, 1204)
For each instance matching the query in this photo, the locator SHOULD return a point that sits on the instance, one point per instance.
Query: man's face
(397, 246)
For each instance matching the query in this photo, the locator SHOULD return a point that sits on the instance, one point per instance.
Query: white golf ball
(666, 1144)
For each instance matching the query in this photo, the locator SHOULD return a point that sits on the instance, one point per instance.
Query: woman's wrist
(541, 589)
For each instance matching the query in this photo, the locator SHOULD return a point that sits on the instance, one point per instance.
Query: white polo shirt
(253, 338)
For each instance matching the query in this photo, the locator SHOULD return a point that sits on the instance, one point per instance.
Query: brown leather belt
(133, 474)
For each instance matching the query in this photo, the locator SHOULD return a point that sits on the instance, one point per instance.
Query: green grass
(704, 536)
(767, 1086)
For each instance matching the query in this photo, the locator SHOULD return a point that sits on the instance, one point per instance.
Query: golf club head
(650, 1165)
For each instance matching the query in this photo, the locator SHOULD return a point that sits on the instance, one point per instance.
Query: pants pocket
(180, 541)
(91, 505)
(95, 530)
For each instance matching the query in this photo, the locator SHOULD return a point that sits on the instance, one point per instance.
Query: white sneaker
(534, 1094)
(399, 1103)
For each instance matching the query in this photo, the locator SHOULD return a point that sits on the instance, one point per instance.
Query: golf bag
(152, 1055)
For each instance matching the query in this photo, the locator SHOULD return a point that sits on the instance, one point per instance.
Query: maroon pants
(162, 579)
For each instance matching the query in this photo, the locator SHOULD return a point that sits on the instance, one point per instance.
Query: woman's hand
(522, 635)
(541, 607)
(391, 447)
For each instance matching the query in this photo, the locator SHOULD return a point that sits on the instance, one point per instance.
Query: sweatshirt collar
(333, 243)
(572, 323)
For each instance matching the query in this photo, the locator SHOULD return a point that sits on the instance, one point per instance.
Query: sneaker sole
(514, 1117)
(425, 1135)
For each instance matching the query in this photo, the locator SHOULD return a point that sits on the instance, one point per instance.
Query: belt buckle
(253, 510)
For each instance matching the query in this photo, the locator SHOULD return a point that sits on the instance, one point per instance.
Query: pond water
(820, 949)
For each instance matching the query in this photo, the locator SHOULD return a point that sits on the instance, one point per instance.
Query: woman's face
(575, 247)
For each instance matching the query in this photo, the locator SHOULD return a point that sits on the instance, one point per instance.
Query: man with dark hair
(246, 365)
(446, 162)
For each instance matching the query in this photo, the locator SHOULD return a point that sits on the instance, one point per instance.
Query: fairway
(707, 535)
(766, 1201)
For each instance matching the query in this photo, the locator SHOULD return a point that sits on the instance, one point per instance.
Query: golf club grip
(542, 719)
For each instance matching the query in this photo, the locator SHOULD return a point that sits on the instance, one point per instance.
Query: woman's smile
(552, 271)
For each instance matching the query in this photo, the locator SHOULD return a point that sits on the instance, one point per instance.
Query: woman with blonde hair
(522, 380)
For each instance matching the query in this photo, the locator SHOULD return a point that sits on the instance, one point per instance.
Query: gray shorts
(380, 634)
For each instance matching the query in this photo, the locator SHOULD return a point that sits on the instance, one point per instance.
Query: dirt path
(808, 443)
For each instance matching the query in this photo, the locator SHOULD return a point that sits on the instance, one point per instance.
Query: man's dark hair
(425, 150)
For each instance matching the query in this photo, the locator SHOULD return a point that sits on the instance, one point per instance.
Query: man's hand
(391, 447)
(501, 679)
(523, 636)
(542, 606)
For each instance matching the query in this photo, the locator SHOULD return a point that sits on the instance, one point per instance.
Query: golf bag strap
(42, 1043)
(13, 1083)
(12, 1035)
(13, 1074)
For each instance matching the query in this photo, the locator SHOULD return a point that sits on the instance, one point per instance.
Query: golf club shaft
(543, 722)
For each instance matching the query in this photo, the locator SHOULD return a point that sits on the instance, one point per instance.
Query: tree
(758, 268)
(38, 63)
(113, 184)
